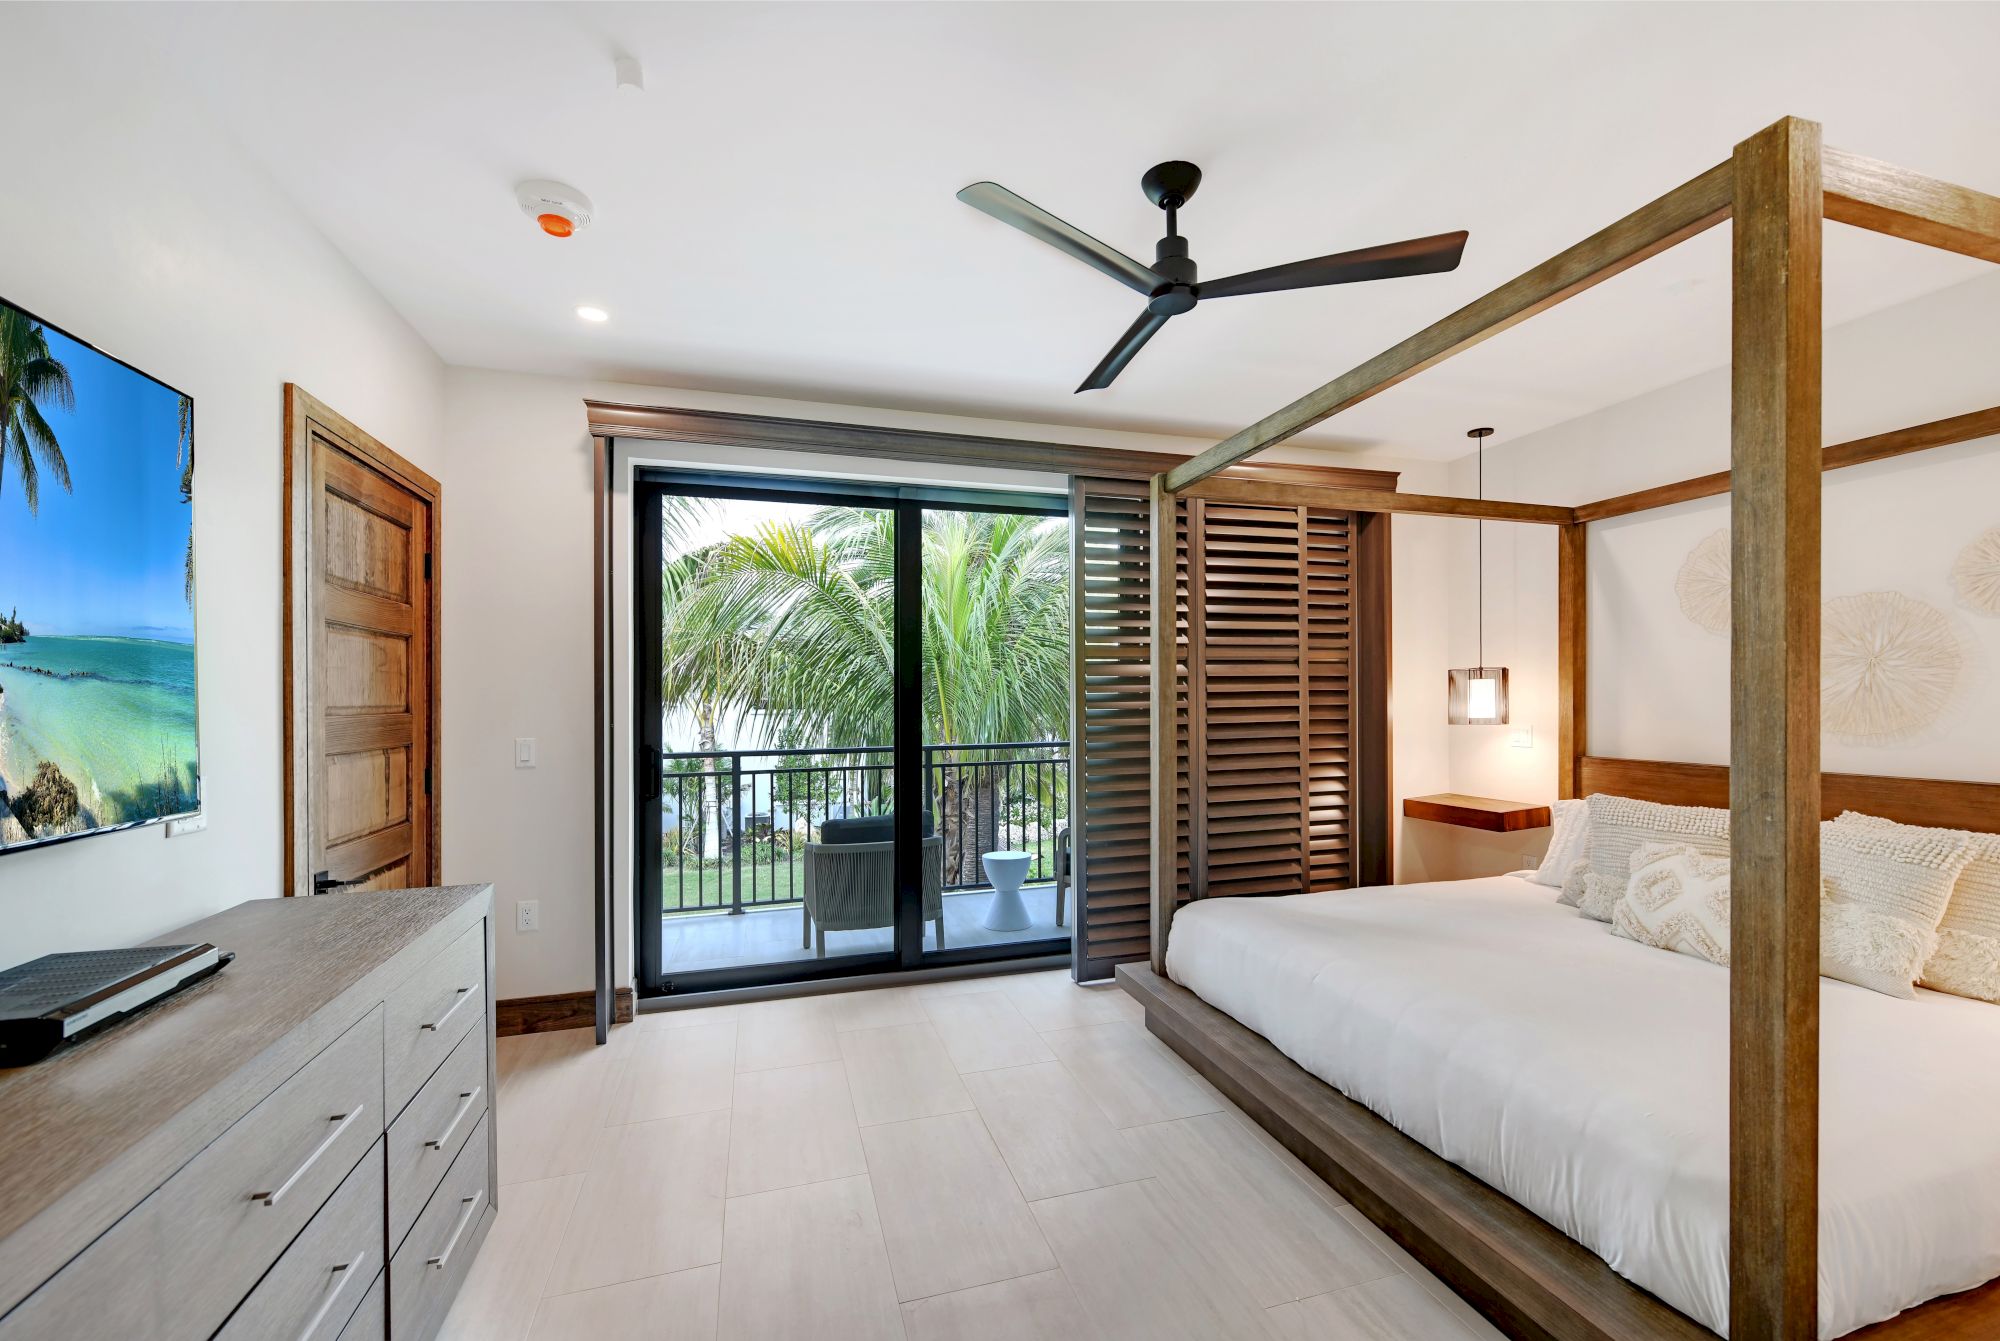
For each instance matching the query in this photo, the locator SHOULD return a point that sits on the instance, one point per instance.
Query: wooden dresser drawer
(427, 1135)
(315, 1287)
(231, 1210)
(424, 1274)
(371, 1321)
(111, 1289)
(431, 1011)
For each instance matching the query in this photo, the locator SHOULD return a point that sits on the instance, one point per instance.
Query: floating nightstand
(1476, 812)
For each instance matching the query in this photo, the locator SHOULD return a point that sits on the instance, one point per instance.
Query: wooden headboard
(1944, 805)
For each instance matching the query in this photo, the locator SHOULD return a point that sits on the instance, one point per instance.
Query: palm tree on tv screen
(30, 378)
(794, 621)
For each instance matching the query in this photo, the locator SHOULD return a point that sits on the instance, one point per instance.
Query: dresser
(301, 1148)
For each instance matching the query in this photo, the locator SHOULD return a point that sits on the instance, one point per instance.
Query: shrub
(49, 802)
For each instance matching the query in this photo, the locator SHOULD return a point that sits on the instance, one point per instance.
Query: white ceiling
(776, 211)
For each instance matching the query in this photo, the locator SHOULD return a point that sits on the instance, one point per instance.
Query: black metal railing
(734, 824)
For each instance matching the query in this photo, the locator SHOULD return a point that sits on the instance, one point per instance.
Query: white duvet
(1586, 1076)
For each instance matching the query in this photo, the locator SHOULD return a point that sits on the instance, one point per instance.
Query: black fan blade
(1130, 343)
(1418, 256)
(996, 200)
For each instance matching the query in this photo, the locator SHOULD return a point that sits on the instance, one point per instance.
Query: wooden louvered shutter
(1269, 753)
(1111, 740)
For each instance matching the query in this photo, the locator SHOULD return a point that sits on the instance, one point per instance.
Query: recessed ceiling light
(589, 313)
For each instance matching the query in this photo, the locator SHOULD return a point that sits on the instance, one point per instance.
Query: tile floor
(990, 1159)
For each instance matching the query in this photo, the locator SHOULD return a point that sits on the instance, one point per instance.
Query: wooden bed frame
(1779, 187)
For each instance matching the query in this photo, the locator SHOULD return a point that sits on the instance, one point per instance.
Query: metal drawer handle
(465, 1217)
(342, 1274)
(344, 1121)
(464, 995)
(465, 1103)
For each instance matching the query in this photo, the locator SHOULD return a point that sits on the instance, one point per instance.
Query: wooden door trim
(302, 411)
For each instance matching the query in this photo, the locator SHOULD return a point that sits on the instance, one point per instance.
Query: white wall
(132, 224)
(517, 631)
(1659, 686)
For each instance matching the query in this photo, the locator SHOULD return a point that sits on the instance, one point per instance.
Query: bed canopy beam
(1680, 214)
(1879, 447)
(1884, 198)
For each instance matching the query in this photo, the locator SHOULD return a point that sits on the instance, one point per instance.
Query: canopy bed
(1408, 1045)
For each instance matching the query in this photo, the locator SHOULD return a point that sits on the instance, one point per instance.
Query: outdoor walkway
(771, 935)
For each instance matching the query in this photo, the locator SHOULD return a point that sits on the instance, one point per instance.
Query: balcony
(741, 836)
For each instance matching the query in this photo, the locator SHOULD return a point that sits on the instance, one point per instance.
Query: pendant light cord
(1482, 556)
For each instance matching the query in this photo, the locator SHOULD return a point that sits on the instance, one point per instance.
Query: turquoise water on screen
(116, 715)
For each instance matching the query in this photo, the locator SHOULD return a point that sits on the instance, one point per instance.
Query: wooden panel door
(362, 672)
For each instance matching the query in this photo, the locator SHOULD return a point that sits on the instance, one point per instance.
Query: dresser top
(88, 1133)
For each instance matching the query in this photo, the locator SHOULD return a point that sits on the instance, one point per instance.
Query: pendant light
(1477, 695)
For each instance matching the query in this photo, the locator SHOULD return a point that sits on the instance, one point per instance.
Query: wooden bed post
(1165, 751)
(1774, 794)
(1572, 654)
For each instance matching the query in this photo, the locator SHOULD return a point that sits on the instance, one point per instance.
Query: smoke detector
(559, 210)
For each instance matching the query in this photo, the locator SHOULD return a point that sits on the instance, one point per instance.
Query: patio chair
(850, 878)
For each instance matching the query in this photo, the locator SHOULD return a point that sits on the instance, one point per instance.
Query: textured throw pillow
(1884, 892)
(1568, 844)
(1677, 899)
(1967, 959)
(1620, 826)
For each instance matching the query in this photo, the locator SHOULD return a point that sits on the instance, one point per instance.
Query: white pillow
(1678, 899)
(1619, 827)
(1967, 959)
(1884, 891)
(1568, 845)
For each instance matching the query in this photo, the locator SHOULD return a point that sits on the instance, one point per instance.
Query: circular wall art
(1703, 584)
(1976, 575)
(1889, 665)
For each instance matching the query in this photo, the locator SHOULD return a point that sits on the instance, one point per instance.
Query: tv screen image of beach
(97, 664)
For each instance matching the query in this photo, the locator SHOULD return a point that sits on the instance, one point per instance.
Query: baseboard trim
(559, 1010)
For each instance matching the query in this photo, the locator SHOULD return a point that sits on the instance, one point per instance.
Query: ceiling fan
(1170, 283)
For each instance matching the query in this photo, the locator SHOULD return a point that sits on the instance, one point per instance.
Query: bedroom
(560, 264)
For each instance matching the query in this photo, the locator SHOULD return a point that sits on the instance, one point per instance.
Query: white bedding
(1587, 1077)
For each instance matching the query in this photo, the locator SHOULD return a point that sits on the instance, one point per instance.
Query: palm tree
(795, 621)
(30, 378)
(185, 457)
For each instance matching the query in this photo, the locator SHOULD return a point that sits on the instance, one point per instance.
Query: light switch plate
(528, 915)
(524, 751)
(1523, 738)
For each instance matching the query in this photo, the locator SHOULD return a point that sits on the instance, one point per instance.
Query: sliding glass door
(806, 655)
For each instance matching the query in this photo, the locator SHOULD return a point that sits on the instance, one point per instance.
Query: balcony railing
(734, 823)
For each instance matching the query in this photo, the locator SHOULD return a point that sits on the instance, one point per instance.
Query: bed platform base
(1530, 1280)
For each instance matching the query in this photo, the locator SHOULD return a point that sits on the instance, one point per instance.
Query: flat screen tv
(97, 664)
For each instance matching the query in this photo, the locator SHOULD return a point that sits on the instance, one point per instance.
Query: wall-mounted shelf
(1476, 812)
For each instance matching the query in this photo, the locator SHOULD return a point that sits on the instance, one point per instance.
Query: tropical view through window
(777, 678)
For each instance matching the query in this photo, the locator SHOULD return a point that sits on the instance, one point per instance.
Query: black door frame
(907, 503)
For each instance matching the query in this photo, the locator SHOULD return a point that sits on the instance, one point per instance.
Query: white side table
(1005, 871)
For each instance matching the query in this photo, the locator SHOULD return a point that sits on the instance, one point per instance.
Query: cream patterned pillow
(1569, 844)
(1884, 892)
(1967, 959)
(1678, 899)
(1620, 826)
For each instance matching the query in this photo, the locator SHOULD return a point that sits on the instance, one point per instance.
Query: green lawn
(696, 886)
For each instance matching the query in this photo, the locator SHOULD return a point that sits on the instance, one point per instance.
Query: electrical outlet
(186, 824)
(524, 751)
(528, 915)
